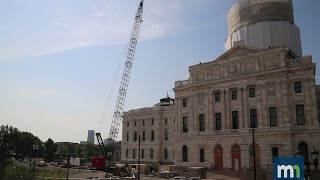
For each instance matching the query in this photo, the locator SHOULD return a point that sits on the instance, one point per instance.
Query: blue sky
(58, 58)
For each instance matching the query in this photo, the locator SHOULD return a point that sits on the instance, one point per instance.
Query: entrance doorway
(236, 157)
(218, 157)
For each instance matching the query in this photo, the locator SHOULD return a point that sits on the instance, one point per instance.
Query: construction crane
(108, 150)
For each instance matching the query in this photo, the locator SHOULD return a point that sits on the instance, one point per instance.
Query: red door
(218, 155)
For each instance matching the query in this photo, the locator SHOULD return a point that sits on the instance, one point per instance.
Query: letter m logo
(288, 168)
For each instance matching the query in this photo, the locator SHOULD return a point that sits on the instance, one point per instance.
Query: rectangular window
(143, 135)
(142, 153)
(152, 121)
(234, 95)
(217, 97)
(165, 120)
(252, 92)
(201, 155)
(297, 87)
(143, 122)
(235, 120)
(275, 152)
(152, 135)
(135, 136)
(134, 153)
(128, 124)
(185, 124)
(218, 121)
(184, 102)
(127, 137)
(201, 122)
(135, 123)
(300, 114)
(253, 118)
(273, 117)
(166, 135)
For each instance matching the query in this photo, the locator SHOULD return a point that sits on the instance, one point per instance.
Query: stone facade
(155, 126)
(210, 123)
(250, 84)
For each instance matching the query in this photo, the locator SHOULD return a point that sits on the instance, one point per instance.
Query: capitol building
(261, 81)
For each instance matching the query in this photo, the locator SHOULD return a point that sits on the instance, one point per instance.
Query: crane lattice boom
(118, 111)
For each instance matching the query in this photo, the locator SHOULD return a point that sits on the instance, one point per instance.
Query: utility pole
(254, 155)
(139, 160)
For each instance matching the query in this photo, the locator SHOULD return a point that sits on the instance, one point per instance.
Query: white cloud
(102, 25)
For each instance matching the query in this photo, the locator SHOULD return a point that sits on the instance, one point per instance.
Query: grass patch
(15, 172)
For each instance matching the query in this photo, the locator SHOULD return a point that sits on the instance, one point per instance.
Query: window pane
(184, 102)
(165, 135)
(152, 135)
(297, 87)
(252, 92)
(201, 155)
(253, 118)
(142, 153)
(184, 153)
(165, 153)
(273, 117)
(143, 135)
(234, 94)
(134, 153)
(201, 122)
(217, 97)
(151, 153)
(185, 124)
(218, 121)
(235, 124)
(300, 114)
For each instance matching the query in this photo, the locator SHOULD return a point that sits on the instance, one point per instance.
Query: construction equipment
(108, 150)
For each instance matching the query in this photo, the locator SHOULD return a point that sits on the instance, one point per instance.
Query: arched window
(303, 147)
(185, 153)
(151, 153)
(165, 153)
(142, 153)
(134, 153)
(127, 153)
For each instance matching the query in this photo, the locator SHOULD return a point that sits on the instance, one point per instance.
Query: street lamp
(34, 148)
(315, 157)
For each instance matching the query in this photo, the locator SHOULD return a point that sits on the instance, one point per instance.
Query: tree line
(21, 145)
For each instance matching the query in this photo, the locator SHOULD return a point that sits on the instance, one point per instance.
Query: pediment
(237, 51)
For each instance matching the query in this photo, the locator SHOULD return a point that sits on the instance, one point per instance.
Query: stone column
(194, 119)
(241, 117)
(223, 113)
(209, 118)
(314, 107)
(228, 126)
(262, 106)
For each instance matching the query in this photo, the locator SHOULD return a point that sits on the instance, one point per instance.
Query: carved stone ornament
(201, 98)
(232, 69)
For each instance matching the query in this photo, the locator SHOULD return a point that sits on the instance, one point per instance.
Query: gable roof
(236, 51)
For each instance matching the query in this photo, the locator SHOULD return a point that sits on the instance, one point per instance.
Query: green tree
(50, 149)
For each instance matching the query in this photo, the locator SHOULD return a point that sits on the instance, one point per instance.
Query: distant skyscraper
(90, 136)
